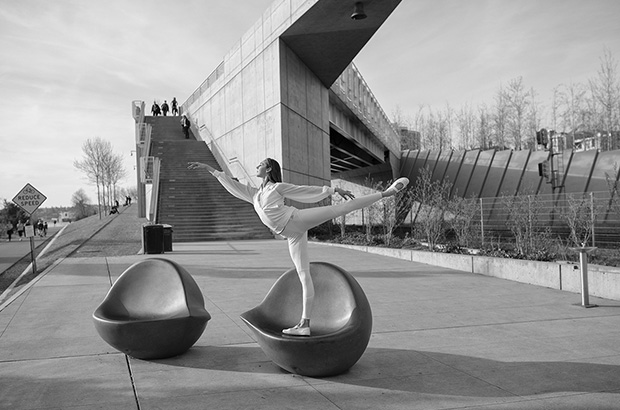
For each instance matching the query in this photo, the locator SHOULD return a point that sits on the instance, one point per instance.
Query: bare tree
(580, 216)
(466, 119)
(81, 203)
(500, 119)
(571, 107)
(556, 101)
(484, 128)
(533, 120)
(431, 201)
(606, 93)
(518, 101)
(448, 131)
(102, 168)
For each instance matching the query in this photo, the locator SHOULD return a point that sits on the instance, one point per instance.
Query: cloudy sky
(69, 69)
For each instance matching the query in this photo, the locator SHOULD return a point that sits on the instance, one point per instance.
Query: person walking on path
(185, 124)
(21, 229)
(293, 223)
(175, 106)
(9, 230)
(165, 108)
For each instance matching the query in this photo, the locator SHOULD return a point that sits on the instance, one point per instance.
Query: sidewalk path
(11, 252)
(442, 339)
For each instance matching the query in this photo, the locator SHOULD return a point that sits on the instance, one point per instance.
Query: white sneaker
(397, 186)
(297, 331)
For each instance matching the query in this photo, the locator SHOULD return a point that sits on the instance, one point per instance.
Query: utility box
(153, 238)
(167, 238)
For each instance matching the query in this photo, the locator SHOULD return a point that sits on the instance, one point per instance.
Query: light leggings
(296, 231)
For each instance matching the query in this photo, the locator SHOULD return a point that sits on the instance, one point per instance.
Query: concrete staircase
(193, 202)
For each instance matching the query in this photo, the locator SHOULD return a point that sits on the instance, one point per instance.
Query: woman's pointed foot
(301, 329)
(297, 331)
(396, 186)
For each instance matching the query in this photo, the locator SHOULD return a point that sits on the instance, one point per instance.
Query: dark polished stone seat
(154, 310)
(341, 322)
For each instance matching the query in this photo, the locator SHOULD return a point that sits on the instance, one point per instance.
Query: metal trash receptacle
(153, 238)
(167, 237)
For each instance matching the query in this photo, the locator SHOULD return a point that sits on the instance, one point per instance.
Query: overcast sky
(69, 69)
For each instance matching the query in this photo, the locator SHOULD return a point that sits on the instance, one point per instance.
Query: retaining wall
(603, 281)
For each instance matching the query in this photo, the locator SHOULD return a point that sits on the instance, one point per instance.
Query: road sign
(29, 199)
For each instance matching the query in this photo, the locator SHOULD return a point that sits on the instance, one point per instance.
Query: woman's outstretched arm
(200, 165)
(235, 188)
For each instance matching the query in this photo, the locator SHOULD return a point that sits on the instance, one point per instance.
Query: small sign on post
(30, 199)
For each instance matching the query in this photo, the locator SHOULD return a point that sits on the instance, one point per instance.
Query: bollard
(583, 263)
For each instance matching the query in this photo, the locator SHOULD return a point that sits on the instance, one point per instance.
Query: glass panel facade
(479, 174)
(465, 173)
(507, 173)
(531, 180)
(514, 171)
(579, 170)
(442, 165)
(454, 166)
(496, 174)
(606, 169)
(431, 161)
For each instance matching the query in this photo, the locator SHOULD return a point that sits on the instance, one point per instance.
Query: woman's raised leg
(311, 217)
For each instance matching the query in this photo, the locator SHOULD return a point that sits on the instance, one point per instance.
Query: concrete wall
(305, 123)
(262, 101)
(603, 281)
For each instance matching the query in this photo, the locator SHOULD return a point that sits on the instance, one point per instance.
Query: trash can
(153, 238)
(167, 238)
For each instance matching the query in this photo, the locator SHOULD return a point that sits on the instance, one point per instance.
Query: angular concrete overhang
(326, 39)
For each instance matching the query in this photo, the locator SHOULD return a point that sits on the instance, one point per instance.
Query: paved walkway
(442, 339)
(11, 252)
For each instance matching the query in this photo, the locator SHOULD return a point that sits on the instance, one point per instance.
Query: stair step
(193, 202)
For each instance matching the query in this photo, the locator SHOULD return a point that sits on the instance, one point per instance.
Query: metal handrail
(219, 156)
(137, 111)
(154, 190)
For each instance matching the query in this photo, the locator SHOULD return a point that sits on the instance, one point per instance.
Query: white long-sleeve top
(268, 201)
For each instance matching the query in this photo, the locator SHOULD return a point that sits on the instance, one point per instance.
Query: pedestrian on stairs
(165, 108)
(175, 106)
(293, 223)
(185, 124)
(155, 110)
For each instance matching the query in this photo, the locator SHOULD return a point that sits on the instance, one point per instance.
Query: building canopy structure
(288, 90)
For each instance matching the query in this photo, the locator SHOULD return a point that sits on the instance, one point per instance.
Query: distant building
(409, 139)
(66, 216)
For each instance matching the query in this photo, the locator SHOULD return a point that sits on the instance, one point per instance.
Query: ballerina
(293, 223)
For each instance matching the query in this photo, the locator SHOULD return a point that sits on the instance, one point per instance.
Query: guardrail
(222, 160)
(595, 215)
(150, 175)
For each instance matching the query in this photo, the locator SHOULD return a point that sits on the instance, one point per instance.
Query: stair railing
(235, 160)
(225, 163)
(143, 130)
(137, 110)
(151, 167)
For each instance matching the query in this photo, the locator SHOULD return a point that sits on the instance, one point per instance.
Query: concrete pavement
(11, 252)
(442, 339)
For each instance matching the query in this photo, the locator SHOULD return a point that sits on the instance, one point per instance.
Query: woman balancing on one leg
(293, 223)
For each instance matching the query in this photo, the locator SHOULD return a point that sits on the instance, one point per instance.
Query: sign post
(30, 199)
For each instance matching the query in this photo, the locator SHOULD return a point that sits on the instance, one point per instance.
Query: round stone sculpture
(341, 322)
(154, 310)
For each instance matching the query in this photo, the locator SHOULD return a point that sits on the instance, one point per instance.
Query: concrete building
(288, 90)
